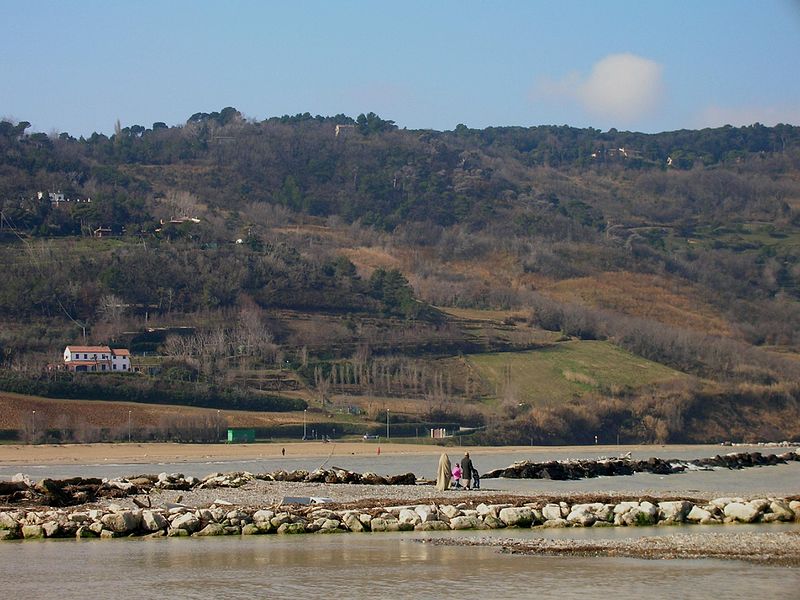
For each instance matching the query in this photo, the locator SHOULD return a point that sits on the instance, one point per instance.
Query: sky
(77, 66)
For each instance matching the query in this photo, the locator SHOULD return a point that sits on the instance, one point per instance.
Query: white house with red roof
(97, 359)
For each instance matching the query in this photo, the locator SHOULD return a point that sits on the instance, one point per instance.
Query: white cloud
(621, 87)
(717, 116)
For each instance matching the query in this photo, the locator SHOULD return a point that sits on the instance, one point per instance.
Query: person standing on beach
(457, 476)
(443, 473)
(466, 470)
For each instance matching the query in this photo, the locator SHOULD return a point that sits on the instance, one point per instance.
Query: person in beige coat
(443, 474)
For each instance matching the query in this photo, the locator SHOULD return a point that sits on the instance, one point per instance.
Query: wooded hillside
(362, 268)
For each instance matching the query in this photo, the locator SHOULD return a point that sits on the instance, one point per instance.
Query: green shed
(241, 435)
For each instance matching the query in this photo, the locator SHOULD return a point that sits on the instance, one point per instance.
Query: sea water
(369, 566)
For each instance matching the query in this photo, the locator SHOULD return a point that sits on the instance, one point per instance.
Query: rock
(251, 529)
(51, 529)
(721, 503)
(426, 513)
(84, 532)
(291, 528)
(623, 507)
(322, 513)
(330, 524)
(581, 514)
(699, 515)
(409, 516)
(353, 523)
(280, 519)
(96, 527)
(432, 526)
(377, 524)
(8, 522)
(178, 533)
(744, 513)
(464, 522)
(261, 516)
(210, 530)
(760, 504)
(265, 527)
(7, 534)
(107, 534)
(404, 479)
(449, 511)
(122, 522)
(551, 511)
(22, 478)
(555, 523)
(493, 522)
(187, 522)
(781, 510)
(794, 505)
(516, 516)
(674, 512)
(153, 521)
(640, 514)
(384, 524)
(78, 517)
(32, 531)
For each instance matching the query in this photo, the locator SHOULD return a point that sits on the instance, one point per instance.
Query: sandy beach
(77, 454)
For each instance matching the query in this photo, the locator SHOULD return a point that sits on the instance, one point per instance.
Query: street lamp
(33, 435)
(387, 424)
(304, 423)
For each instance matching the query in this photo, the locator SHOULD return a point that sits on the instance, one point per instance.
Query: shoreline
(156, 452)
(242, 505)
(768, 548)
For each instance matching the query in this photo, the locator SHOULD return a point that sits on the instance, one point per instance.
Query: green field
(565, 371)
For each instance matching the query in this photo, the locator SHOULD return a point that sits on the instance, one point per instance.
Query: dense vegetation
(322, 245)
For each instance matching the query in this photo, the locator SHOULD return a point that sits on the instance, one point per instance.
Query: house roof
(93, 349)
(120, 352)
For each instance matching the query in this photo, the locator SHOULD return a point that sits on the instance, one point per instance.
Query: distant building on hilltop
(343, 129)
(97, 359)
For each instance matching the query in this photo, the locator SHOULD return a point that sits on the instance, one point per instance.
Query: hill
(370, 268)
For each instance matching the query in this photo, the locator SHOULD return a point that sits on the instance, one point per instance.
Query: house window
(102, 367)
(123, 367)
(115, 367)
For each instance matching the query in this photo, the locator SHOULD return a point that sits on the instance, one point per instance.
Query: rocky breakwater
(224, 519)
(609, 467)
(79, 490)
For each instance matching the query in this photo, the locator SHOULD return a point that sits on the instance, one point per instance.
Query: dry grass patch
(646, 296)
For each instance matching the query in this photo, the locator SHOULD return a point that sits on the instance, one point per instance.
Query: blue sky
(78, 66)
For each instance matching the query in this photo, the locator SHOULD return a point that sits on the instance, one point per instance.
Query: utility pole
(387, 424)
(129, 427)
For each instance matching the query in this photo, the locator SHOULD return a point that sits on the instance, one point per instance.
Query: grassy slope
(16, 409)
(567, 370)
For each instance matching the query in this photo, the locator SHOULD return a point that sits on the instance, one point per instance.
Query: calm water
(363, 566)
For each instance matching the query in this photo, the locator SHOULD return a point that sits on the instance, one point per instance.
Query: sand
(77, 454)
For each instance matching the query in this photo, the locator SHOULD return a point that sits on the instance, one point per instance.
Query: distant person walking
(466, 470)
(443, 473)
(283, 451)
